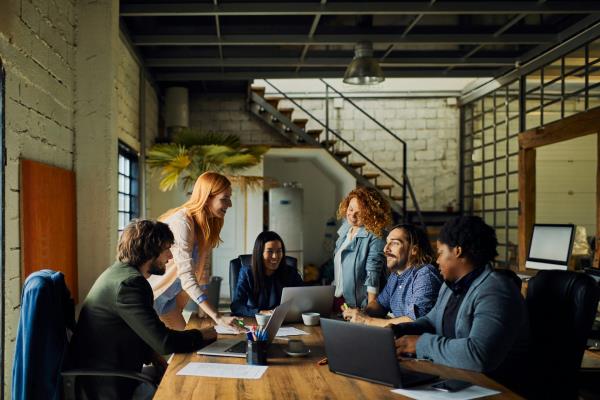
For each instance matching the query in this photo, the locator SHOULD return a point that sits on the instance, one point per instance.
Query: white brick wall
(428, 125)
(37, 46)
(227, 114)
(128, 96)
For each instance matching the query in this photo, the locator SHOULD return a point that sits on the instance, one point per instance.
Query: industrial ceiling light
(363, 69)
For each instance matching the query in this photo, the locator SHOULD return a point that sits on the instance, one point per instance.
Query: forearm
(209, 310)
(385, 322)
(371, 297)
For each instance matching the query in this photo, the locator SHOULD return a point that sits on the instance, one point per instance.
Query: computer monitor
(550, 246)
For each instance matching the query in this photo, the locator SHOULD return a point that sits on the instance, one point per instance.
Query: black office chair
(511, 275)
(246, 259)
(562, 306)
(45, 325)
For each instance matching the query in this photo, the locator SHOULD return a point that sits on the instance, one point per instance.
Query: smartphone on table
(451, 385)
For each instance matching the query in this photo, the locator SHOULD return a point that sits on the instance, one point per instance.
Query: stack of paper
(225, 330)
(290, 331)
(426, 392)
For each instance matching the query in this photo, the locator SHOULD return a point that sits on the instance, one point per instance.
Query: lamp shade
(363, 69)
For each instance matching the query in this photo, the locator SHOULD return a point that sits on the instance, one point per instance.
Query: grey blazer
(492, 329)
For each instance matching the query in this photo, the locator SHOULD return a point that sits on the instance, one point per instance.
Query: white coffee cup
(262, 319)
(311, 318)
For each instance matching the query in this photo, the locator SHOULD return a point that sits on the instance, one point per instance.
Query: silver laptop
(308, 299)
(237, 347)
(367, 352)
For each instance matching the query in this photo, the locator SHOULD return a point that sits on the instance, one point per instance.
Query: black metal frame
(134, 197)
(389, 132)
(476, 109)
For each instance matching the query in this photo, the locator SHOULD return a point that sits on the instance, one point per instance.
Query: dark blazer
(46, 310)
(119, 329)
(244, 303)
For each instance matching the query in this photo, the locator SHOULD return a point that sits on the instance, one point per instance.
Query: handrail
(417, 208)
(405, 185)
(337, 135)
(363, 111)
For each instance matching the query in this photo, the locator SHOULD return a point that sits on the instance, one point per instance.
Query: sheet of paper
(425, 392)
(218, 370)
(290, 331)
(225, 330)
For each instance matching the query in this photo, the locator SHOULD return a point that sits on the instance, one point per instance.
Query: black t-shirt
(459, 290)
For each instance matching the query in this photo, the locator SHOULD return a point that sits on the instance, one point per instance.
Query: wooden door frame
(581, 124)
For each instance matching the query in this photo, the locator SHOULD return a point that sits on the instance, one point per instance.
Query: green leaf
(194, 152)
(191, 137)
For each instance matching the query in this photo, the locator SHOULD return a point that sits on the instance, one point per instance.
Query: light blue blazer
(492, 330)
(362, 264)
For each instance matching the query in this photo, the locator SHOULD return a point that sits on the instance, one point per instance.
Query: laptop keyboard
(239, 347)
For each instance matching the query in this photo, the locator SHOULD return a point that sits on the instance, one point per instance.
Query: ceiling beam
(257, 40)
(311, 33)
(407, 30)
(358, 8)
(322, 62)
(216, 76)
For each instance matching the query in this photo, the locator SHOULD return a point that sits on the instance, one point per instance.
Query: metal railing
(405, 185)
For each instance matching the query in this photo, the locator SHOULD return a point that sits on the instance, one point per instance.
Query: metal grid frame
(128, 193)
(491, 123)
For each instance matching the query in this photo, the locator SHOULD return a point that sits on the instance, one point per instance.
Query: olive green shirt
(118, 329)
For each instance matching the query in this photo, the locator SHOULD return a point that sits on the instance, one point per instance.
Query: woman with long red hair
(196, 226)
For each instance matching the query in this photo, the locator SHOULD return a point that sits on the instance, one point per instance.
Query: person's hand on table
(355, 315)
(209, 334)
(160, 364)
(230, 322)
(406, 345)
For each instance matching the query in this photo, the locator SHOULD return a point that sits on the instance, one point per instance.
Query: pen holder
(257, 352)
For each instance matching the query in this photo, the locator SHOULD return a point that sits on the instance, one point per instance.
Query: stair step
(328, 143)
(357, 164)
(287, 112)
(397, 198)
(273, 101)
(433, 231)
(314, 132)
(300, 122)
(259, 90)
(371, 175)
(384, 186)
(342, 154)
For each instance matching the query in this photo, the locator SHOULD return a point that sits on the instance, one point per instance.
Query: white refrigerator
(285, 218)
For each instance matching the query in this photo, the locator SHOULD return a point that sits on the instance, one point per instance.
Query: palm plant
(193, 152)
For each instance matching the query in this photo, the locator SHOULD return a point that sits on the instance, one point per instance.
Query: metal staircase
(366, 171)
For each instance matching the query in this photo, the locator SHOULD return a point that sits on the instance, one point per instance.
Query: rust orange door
(48, 217)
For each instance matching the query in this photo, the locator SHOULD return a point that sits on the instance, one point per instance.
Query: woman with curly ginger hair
(358, 259)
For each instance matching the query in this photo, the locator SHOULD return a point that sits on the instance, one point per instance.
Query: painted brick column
(96, 140)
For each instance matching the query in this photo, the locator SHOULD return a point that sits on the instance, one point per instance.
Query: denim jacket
(362, 263)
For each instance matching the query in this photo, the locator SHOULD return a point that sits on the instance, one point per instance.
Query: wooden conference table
(294, 378)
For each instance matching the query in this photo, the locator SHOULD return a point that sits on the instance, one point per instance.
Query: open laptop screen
(550, 246)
